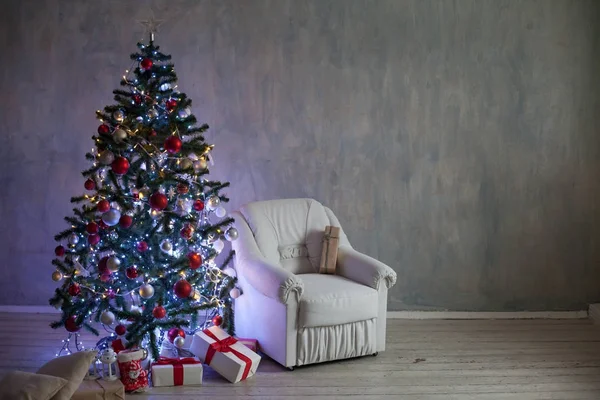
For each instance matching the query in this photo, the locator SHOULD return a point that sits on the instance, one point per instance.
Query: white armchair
(298, 315)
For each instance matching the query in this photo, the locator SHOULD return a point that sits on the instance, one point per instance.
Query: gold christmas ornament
(57, 276)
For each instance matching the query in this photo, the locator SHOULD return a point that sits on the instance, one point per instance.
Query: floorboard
(425, 359)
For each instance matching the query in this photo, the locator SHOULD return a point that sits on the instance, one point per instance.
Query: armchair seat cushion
(333, 300)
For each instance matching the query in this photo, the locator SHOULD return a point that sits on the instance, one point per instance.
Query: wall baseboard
(594, 313)
(488, 314)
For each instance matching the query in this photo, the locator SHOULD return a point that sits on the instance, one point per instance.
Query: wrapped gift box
(331, 240)
(99, 389)
(176, 372)
(252, 344)
(229, 357)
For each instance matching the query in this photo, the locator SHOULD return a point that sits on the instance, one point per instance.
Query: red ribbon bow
(177, 364)
(224, 346)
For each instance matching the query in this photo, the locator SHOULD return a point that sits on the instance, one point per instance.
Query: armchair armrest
(364, 269)
(266, 277)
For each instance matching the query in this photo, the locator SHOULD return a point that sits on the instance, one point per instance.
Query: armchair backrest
(289, 232)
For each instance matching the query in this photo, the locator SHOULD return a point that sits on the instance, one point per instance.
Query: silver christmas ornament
(152, 113)
(213, 202)
(139, 119)
(179, 342)
(186, 163)
(119, 116)
(166, 246)
(199, 165)
(184, 113)
(113, 264)
(146, 291)
(107, 318)
(220, 212)
(106, 157)
(231, 234)
(235, 293)
(111, 217)
(120, 135)
(73, 238)
(164, 87)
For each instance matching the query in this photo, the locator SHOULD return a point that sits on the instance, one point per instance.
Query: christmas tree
(139, 254)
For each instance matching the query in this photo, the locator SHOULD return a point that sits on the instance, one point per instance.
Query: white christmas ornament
(229, 271)
(164, 87)
(113, 264)
(179, 342)
(220, 212)
(235, 293)
(219, 245)
(107, 318)
(146, 291)
(111, 217)
(184, 113)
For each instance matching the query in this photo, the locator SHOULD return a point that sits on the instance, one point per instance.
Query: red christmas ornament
(174, 332)
(104, 129)
(103, 206)
(59, 251)
(217, 320)
(93, 239)
(92, 228)
(101, 224)
(195, 260)
(142, 246)
(70, 324)
(182, 188)
(159, 312)
(171, 104)
(146, 63)
(120, 166)
(182, 289)
(105, 277)
(198, 205)
(89, 184)
(187, 232)
(74, 289)
(103, 266)
(125, 221)
(137, 99)
(158, 201)
(173, 144)
(131, 272)
(120, 330)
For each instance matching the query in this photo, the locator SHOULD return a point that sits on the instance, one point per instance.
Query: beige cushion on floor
(72, 368)
(17, 385)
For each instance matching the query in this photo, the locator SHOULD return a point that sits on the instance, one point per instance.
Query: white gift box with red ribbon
(225, 354)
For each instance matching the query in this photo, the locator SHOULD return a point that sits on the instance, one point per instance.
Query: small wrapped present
(99, 389)
(252, 344)
(176, 372)
(331, 240)
(230, 358)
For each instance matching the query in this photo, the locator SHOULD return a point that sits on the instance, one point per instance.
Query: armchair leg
(375, 354)
(290, 368)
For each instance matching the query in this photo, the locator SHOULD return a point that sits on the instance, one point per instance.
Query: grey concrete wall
(457, 141)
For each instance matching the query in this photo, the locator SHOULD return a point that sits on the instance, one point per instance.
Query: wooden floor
(431, 359)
